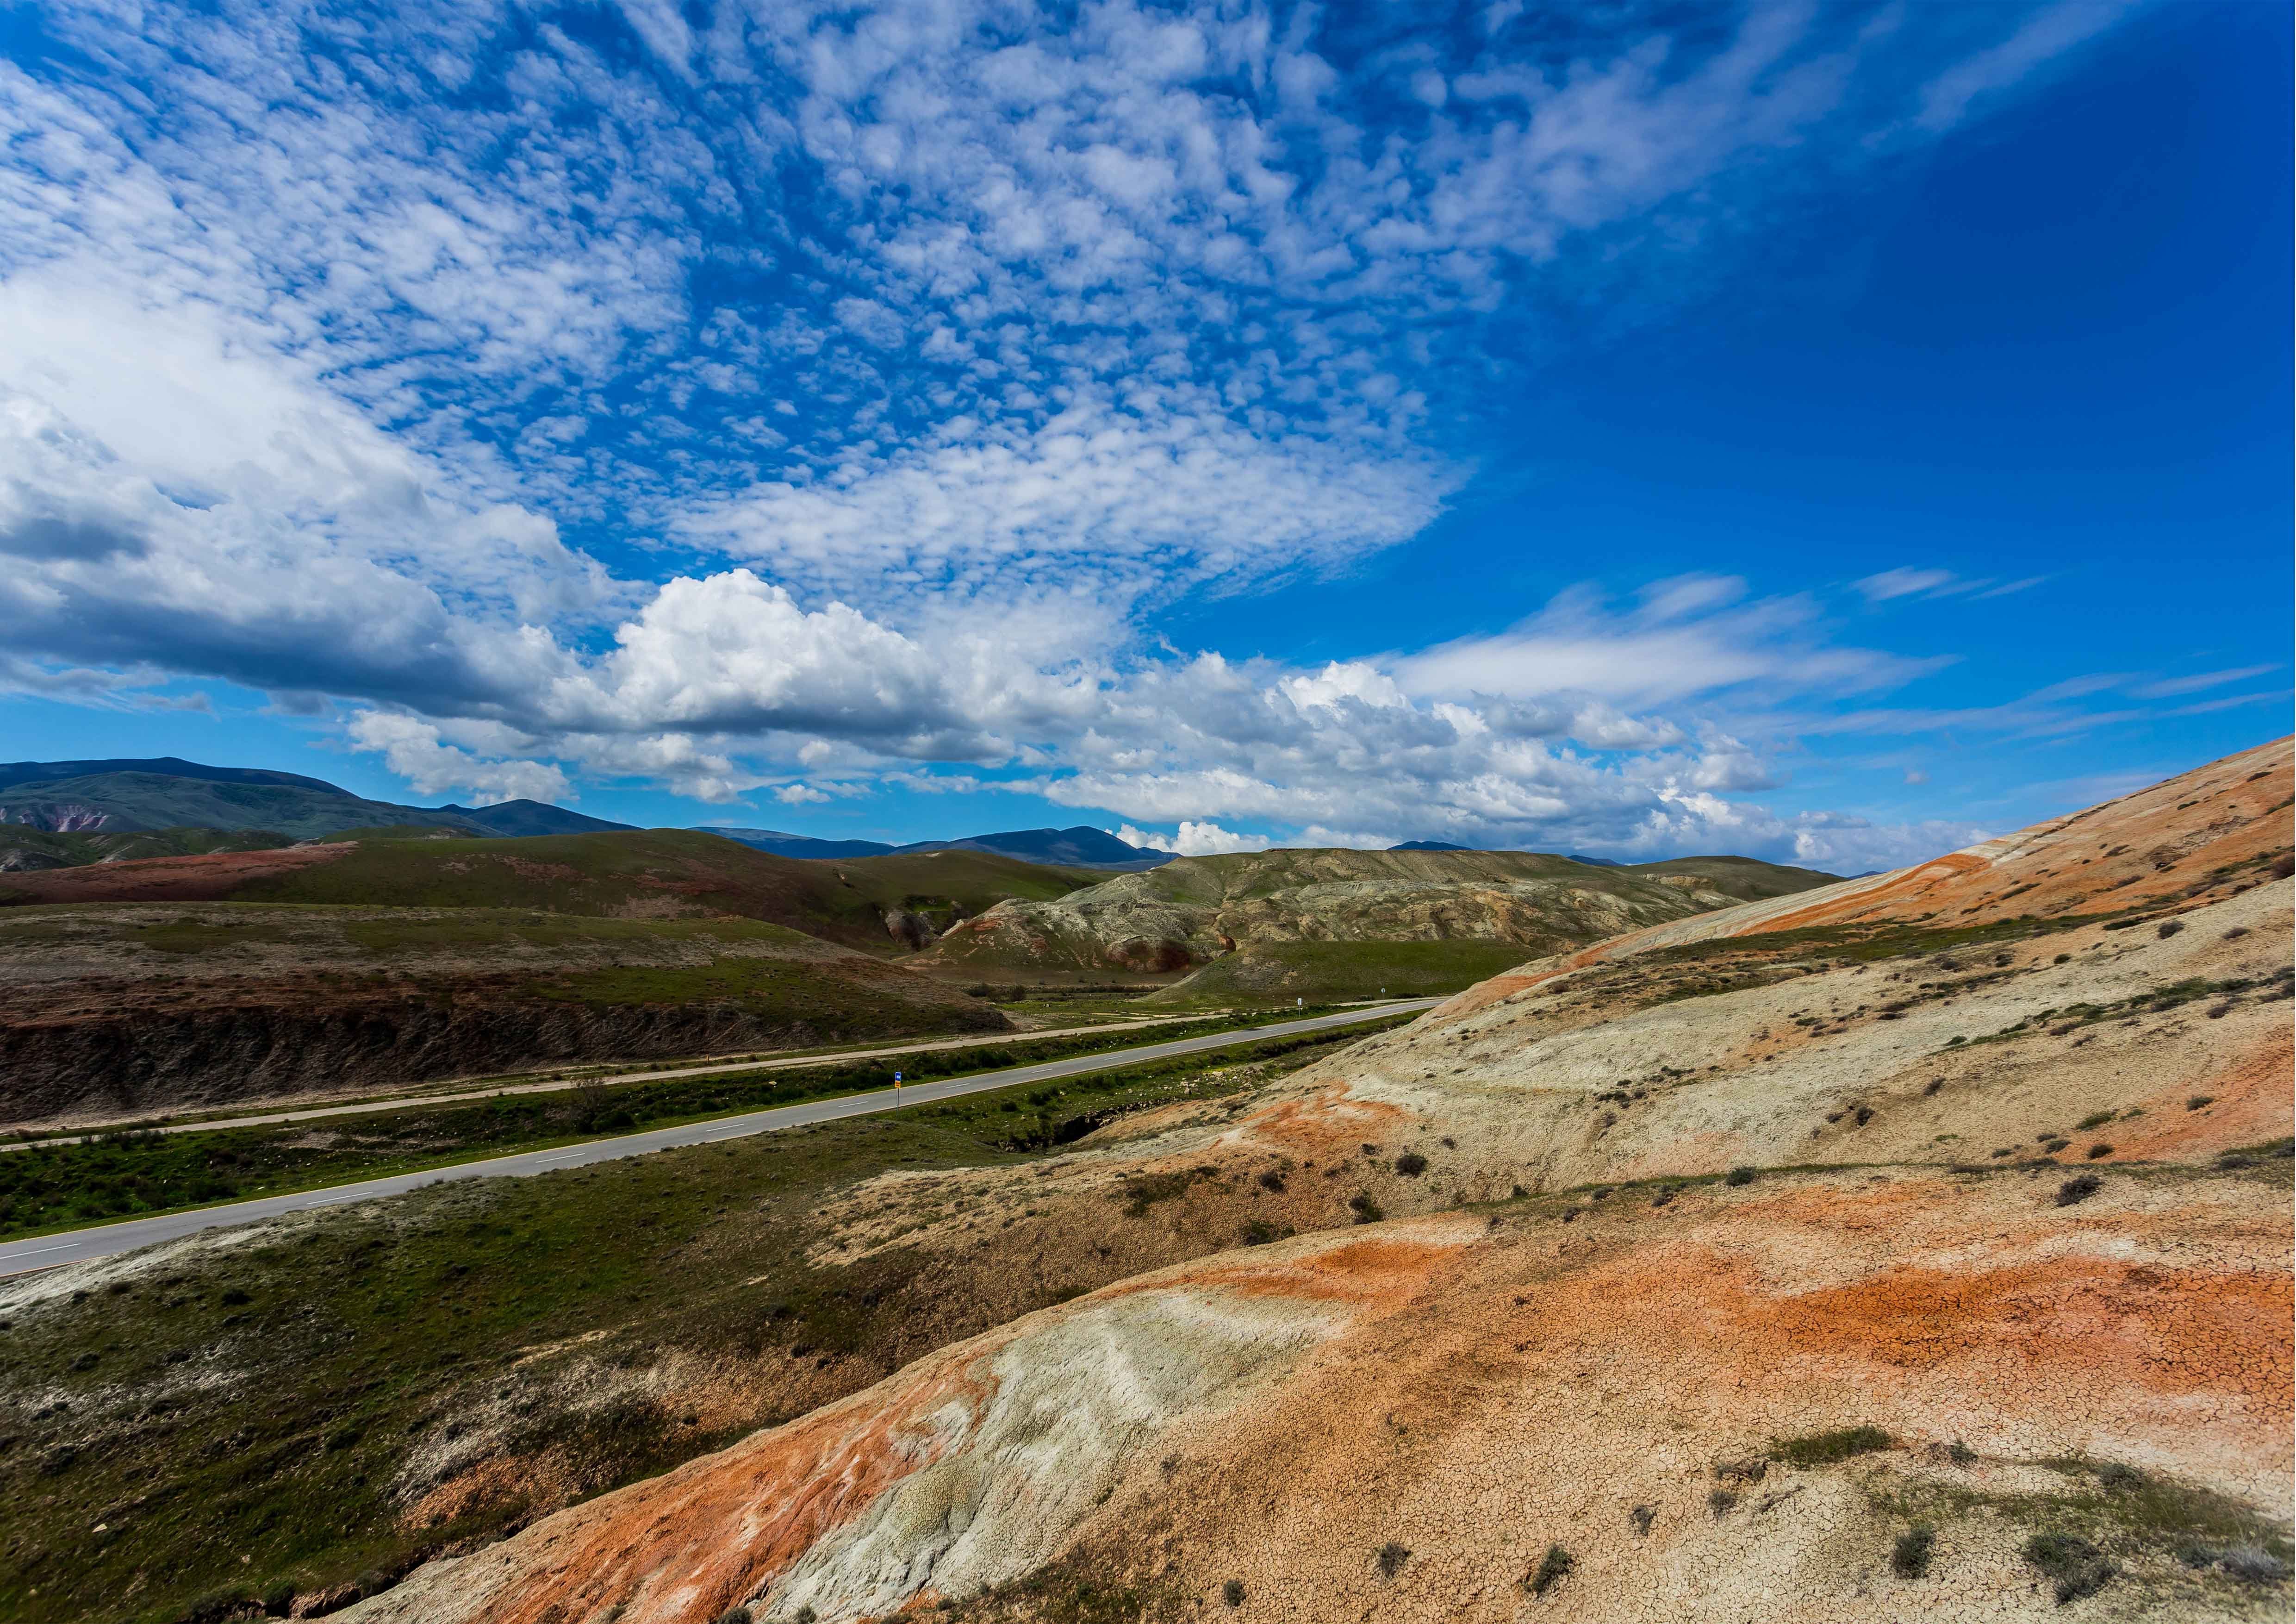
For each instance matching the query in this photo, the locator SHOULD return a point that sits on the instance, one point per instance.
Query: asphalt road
(501, 1090)
(107, 1240)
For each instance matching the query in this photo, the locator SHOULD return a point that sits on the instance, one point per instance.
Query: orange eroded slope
(2149, 847)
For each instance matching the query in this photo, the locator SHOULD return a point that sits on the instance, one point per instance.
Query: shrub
(1825, 1449)
(2063, 958)
(1552, 1567)
(2170, 927)
(1642, 1517)
(2254, 1565)
(1959, 1453)
(2200, 1100)
(2074, 1566)
(1865, 1115)
(1231, 1593)
(1411, 1164)
(1720, 1500)
(1366, 1211)
(2099, 1150)
(1909, 1558)
(1390, 1559)
(1272, 1180)
(2096, 1118)
(741, 1615)
(1737, 1176)
(234, 1297)
(2074, 1190)
(1260, 1232)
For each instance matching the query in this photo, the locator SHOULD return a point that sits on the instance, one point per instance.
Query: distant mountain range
(135, 796)
(1082, 847)
(125, 796)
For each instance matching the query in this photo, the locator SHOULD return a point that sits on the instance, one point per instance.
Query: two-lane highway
(105, 1240)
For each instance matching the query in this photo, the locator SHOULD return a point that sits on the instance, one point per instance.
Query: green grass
(73, 850)
(262, 1401)
(843, 899)
(133, 1173)
(1334, 971)
(2104, 1510)
(1827, 1448)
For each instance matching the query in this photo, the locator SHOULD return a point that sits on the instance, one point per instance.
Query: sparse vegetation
(1231, 1593)
(1826, 1448)
(1391, 1558)
(1737, 1177)
(2074, 1567)
(131, 1172)
(405, 1317)
(1552, 1569)
(1720, 1500)
(2074, 1190)
(1909, 1558)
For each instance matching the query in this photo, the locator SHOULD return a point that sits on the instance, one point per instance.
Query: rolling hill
(1912, 1247)
(119, 1011)
(879, 904)
(1195, 911)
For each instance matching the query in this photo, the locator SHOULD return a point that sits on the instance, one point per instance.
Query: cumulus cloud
(893, 364)
(1194, 840)
(413, 750)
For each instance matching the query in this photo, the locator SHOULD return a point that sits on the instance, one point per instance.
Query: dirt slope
(2007, 1223)
(1191, 912)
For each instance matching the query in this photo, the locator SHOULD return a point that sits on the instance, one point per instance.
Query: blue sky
(1827, 432)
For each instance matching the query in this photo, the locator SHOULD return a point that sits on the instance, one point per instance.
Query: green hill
(26, 850)
(112, 1009)
(1170, 921)
(1332, 972)
(884, 905)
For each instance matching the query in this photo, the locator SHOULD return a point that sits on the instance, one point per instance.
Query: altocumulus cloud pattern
(805, 398)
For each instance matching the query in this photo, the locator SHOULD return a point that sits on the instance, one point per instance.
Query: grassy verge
(1334, 970)
(131, 1173)
(251, 1419)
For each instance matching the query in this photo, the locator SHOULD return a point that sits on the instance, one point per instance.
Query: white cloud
(1194, 840)
(2168, 687)
(1903, 583)
(308, 364)
(1947, 99)
(1687, 638)
(414, 751)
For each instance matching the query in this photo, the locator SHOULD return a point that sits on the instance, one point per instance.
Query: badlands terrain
(1910, 1246)
(1334, 916)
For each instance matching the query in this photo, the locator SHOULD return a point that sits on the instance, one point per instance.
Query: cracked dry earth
(2015, 1263)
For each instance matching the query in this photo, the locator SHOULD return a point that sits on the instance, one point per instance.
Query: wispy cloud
(759, 397)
